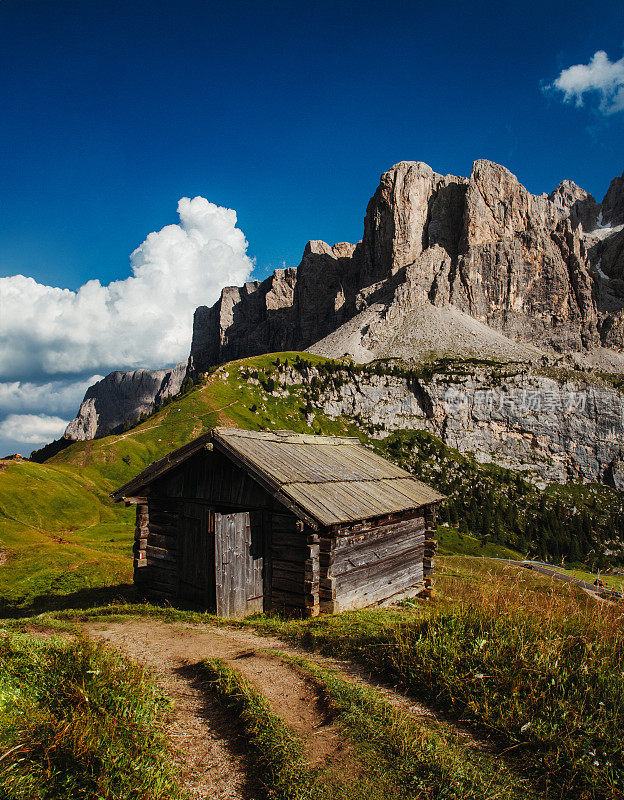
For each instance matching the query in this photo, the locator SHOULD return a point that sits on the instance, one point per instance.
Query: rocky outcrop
(613, 203)
(450, 252)
(122, 397)
(523, 268)
(572, 201)
(554, 430)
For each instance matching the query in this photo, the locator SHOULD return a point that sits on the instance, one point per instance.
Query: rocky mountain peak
(613, 203)
(484, 247)
(499, 206)
(577, 204)
(123, 396)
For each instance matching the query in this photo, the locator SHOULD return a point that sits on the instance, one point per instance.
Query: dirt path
(210, 754)
(206, 738)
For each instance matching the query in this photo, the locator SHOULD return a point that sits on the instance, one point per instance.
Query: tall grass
(277, 753)
(78, 721)
(424, 756)
(540, 670)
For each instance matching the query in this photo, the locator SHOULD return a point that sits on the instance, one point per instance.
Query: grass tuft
(277, 753)
(79, 721)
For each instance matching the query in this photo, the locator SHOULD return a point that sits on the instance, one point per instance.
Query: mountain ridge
(447, 266)
(519, 263)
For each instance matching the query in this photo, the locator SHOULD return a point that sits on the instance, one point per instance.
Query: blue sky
(286, 112)
(110, 112)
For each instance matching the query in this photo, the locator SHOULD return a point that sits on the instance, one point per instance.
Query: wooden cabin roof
(328, 478)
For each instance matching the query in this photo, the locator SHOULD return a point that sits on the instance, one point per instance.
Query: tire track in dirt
(204, 736)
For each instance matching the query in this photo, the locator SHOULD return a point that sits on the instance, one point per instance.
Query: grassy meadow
(534, 668)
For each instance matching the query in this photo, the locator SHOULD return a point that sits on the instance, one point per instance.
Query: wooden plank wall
(193, 551)
(294, 566)
(367, 565)
(160, 524)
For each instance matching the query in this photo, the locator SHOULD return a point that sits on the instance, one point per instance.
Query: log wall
(174, 565)
(157, 577)
(294, 566)
(367, 565)
(431, 545)
(140, 541)
(163, 569)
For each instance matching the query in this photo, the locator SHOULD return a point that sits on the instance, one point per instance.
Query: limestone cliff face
(523, 267)
(483, 263)
(290, 310)
(554, 430)
(121, 397)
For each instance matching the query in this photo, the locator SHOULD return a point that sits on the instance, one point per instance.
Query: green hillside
(65, 543)
(61, 535)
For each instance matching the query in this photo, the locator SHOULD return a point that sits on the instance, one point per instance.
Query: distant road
(564, 576)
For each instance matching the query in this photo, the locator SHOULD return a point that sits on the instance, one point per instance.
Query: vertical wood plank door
(238, 565)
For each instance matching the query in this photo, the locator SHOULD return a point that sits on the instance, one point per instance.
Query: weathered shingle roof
(331, 479)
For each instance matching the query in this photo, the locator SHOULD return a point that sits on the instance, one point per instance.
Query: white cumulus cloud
(142, 321)
(32, 428)
(601, 77)
(57, 397)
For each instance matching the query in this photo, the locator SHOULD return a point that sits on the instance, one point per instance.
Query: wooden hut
(244, 521)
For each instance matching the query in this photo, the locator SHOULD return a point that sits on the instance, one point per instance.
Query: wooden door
(196, 571)
(238, 564)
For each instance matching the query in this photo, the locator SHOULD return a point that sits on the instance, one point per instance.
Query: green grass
(65, 541)
(280, 760)
(452, 542)
(394, 755)
(277, 753)
(77, 721)
(426, 758)
(59, 534)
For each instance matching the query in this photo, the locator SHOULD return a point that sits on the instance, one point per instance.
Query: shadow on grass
(226, 726)
(82, 598)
